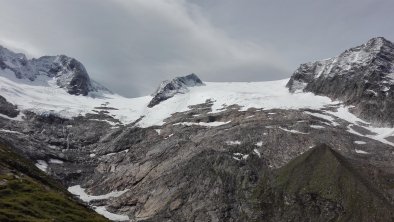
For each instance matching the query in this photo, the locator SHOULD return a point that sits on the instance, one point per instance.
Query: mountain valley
(316, 147)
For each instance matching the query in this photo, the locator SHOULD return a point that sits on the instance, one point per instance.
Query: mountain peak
(68, 72)
(178, 85)
(330, 177)
(362, 76)
(189, 80)
(6, 52)
(378, 42)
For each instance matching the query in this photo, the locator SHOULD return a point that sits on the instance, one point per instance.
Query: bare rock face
(68, 72)
(362, 76)
(7, 108)
(241, 170)
(179, 85)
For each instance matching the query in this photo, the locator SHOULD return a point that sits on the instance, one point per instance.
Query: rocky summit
(362, 76)
(178, 85)
(316, 147)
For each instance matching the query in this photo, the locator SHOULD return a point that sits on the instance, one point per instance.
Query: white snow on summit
(51, 99)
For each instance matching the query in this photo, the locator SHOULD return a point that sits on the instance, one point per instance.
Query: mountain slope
(27, 194)
(204, 153)
(362, 76)
(322, 185)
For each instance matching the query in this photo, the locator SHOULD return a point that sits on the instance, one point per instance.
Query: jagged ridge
(362, 76)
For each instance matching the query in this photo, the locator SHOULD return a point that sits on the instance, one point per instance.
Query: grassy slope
(27, 194)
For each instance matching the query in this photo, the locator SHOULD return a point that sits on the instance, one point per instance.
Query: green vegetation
(27, 194)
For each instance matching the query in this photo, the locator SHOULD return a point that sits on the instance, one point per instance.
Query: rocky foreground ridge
(226, 152)
(28, 194)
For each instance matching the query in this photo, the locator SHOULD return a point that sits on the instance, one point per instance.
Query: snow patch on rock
(361, 151)
(323, 116)
(10, 131)
(259, 144)
(210, 124)
(256, 151)
(77, 190)
(317, 126)
(114, 217)
(232, 143)
(292, 131)
(379, 133)
(55, 161)
(360, 142)
(240, 156)
(42, 165)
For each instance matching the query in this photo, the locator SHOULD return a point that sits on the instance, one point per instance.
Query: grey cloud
(132, 45)
(303, 30)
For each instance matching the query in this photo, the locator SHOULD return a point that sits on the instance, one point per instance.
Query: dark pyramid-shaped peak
(324, 175)
(189, 80)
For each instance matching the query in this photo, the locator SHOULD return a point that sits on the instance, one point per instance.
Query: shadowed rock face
(362, 76)
(7, 108)
(68, 72)
(179, 85)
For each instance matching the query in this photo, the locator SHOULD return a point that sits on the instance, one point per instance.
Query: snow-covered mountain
(213, 151)
(362, 76)
(67, 73)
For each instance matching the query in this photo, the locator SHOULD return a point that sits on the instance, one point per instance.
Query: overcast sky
(130, 46)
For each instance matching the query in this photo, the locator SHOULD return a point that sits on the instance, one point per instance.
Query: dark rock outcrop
(362, 76)
(7, 108)
(178, 85)
(70, 74)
